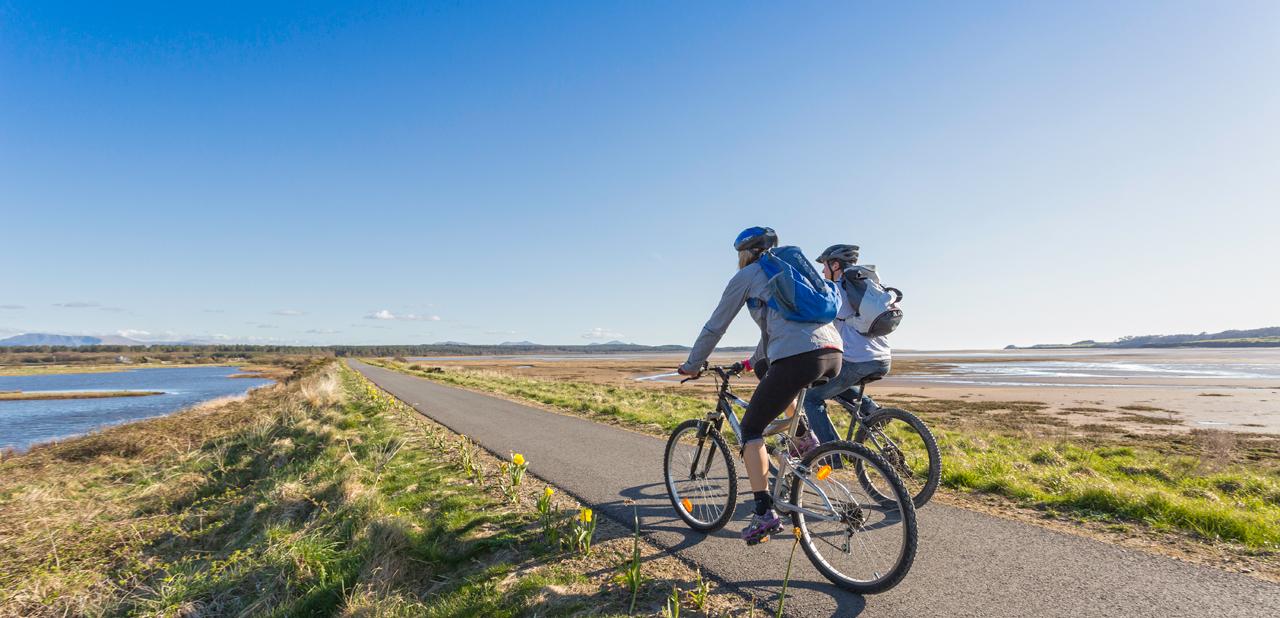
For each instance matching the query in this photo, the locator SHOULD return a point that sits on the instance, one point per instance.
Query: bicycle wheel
(701, 479)
(906, 443)
(864, 543)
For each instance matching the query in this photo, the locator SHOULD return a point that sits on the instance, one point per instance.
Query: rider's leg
(784, 380)
(761, 368)
(815, 401)
(757, 460)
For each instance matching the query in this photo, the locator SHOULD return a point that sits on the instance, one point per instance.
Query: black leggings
(783, 380)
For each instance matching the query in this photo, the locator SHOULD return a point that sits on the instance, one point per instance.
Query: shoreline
(50, 395)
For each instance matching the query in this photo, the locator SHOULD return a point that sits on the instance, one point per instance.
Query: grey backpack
(875, 307)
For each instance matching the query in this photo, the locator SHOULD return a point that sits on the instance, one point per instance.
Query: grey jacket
(779, 337)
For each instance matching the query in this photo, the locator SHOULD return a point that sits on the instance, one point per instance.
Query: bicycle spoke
(699, 480)
(868, 539)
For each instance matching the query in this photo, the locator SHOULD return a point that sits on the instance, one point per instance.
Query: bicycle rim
(872, 544)
(700, 476)
(912, 455)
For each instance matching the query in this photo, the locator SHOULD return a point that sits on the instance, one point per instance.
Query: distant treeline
(234, 351)
(1257, 337)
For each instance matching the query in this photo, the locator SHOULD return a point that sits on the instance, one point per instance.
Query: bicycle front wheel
(700, 475)
(906, 444)
(862, 542)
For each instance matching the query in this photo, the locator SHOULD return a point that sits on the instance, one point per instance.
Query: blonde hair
(746, 257)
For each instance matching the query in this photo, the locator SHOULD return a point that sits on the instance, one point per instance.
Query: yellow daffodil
(585, 516)
(517, 459)
(796, 531)
(548, 491)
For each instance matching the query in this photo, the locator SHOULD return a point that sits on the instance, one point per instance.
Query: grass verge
(318, 496)
(1210, 486)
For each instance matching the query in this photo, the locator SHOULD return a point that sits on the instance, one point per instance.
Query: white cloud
(384, 314)
(131, 333)
(79, 304)
(322, 331)
(602, 333)
(288, 312)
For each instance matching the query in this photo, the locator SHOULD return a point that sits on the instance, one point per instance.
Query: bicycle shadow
(660, 525)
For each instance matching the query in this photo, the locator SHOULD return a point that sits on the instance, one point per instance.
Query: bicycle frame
(787, 465)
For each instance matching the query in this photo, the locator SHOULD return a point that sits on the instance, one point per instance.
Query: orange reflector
(823, 473)
(764, 539)
(688, 506)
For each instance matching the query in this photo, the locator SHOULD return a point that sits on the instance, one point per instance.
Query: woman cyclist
(799, 354)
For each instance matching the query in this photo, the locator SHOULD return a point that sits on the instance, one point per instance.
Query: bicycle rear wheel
(869, 542)
(906, 444)
(700, 475)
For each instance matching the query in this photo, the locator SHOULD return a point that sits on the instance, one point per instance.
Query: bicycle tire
(717, 443)
(933, 475)
(910, 538)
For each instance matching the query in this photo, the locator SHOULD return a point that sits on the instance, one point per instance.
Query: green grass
(314, 498)
(1086, 479)
(636, 407)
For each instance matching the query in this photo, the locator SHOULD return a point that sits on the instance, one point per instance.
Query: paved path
(969, 564)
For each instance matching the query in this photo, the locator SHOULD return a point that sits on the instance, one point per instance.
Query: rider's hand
(692, 374)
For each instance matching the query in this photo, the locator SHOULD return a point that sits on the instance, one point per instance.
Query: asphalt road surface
(968, 563)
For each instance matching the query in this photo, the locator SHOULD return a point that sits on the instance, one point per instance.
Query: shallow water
(1116, 369)
(24, 423)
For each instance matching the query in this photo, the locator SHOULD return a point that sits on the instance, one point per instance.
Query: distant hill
(1257, 337)
(70, 341)
(518, 343)
(79, 341)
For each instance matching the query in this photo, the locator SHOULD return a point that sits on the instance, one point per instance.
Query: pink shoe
(801, 446)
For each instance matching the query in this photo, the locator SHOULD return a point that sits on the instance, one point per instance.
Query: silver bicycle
(856, 520)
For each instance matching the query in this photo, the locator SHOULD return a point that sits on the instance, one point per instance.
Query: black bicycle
(900, 437)
(855, 518)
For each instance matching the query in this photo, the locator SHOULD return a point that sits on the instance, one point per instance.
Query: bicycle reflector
(823, 472)
(688, 506)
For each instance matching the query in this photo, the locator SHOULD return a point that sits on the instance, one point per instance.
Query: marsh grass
(320, 496)
(1209, 485)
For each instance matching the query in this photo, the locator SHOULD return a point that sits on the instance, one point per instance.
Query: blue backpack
(799, 293)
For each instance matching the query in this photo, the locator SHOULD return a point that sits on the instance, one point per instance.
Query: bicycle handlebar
(724, 372)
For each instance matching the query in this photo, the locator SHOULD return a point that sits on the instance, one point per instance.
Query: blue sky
(575, 172)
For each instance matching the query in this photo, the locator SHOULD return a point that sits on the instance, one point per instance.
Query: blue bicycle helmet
(759, 238)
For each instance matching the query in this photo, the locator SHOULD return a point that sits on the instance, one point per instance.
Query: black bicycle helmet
(758, 238)
(845, 254)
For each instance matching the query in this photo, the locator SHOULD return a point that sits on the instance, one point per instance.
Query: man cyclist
(800, 354)
(864, 357)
